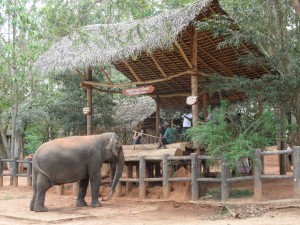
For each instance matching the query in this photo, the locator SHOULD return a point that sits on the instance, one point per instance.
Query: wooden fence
(15, 172)
(196, 178)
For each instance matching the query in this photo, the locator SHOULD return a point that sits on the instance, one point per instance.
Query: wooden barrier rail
(196, 178)
(14, 172)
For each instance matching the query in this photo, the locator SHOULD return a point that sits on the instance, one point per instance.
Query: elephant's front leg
(95, 186)
(83, 184)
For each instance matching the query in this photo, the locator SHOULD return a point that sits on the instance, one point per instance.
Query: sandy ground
(278, 207)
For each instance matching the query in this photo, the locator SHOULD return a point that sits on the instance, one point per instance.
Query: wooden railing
(196, 177)
(15, 172)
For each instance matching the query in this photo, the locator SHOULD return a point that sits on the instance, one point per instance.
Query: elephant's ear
(114, 145)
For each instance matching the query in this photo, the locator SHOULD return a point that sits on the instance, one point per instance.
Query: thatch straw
(104, 43)
(134, 110)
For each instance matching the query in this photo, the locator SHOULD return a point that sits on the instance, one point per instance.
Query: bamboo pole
(89, 115)
(166, 183)
(257, 176)
(194, 79)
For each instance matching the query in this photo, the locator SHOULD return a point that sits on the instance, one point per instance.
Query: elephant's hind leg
(83, 184)
(95, 185)
(42, 185)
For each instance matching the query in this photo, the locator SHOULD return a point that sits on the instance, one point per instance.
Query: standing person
(168, 137)
(211, 115)
(138, 138)
(187, 121)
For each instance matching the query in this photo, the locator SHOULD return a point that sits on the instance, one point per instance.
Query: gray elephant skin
(72, 159)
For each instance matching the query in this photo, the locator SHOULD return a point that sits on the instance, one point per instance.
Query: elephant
(72, 159)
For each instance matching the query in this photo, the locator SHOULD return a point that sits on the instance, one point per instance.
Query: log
(152, 153)
(180, 145)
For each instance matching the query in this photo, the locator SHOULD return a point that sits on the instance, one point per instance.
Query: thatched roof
(104, 43)
(156, 51)
(132, 111)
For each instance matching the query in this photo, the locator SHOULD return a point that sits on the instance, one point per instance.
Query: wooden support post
(59, 189)
(257, 173)
(1, 172)
(15, 171)
(157, 121)
(29, 172)
(205, 106)
(89, 116)
(166, 183)
(150, 169)
(129, 175)
(224, 184)
(194, 79)
(75, 189)
(195, 175)
(142, 172)
(137, 171)
(157, 169)
(119, 189)
(296, 173)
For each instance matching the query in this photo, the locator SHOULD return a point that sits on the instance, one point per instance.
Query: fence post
(224, 184)
(296, 172)
(195, 175)
(166, 183)
(29, 172)
(15, 171)
(129, 175)
(1, 172)
(59, 189)
(257, 165)
(142, 172)
(75, 189)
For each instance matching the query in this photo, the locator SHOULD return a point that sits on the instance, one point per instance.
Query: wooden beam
(245, 46)
(89, 115)
(83, 83)
(132, 71)
(158, 66)
(107, 91)
(205, 105)
(194, 79)
(82, 75)
(183, 54)
(105, 74)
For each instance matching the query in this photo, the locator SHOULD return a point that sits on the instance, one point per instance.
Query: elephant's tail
(39, 169)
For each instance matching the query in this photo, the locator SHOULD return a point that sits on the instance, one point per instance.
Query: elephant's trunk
(120, 162)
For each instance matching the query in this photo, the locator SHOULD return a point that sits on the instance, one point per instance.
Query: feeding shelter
(164, 51)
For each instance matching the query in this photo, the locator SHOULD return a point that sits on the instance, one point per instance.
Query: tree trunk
(4, 139)
(296, 6)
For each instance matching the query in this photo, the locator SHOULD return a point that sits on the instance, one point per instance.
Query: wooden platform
(149, 150)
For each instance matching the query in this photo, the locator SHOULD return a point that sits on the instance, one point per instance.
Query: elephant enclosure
(129, 209)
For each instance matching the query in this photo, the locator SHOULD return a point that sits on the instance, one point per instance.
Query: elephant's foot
(40, 208)
(81, 203)
(95, 204)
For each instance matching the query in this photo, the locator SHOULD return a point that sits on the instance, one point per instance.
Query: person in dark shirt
(168, 136)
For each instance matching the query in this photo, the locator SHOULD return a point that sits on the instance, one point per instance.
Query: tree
(273, 27)
(17, 22)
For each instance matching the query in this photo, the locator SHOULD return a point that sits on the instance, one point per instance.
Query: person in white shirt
(187, 121)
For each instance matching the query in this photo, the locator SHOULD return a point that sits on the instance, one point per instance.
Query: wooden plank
(296, 175)
(142, 174)
(152, 153)
(166, 175)
(257, 176)
(180, 145)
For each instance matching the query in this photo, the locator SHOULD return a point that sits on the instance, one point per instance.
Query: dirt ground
(277, 206)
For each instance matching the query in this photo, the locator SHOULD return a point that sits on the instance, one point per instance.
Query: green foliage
(34, 137)
(234, 193)
(234, 136)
